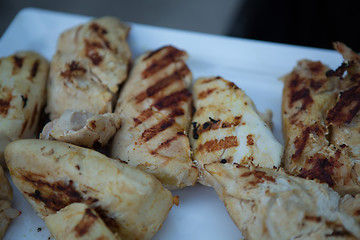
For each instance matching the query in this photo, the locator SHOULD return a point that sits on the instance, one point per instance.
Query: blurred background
(314, 23)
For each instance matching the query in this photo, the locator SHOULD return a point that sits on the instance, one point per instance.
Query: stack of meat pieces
(168, 134)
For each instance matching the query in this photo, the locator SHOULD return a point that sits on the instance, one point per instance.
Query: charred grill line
(171, 56)
(56, 195)
(216, 145)
(300, 141)
(85, 223)
(161, 126)
(173, 99)
(163, 83)
(169, 101)
(346, 107)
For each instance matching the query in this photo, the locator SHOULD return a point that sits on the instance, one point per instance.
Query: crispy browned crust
(320, 113)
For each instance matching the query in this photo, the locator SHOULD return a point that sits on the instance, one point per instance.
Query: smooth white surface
(254, 66)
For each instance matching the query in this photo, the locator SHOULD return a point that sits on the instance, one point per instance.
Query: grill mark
(259, 176)
(163, 83)
(161, 126)
(172, 55)
(322, 168)
(73, 69)
(85, 223)
(18, 61)
(173, 99)
(211, 80)
(249, 140)
(109, 221)
(302, 94)
(317, 84)
(98, 29)
(55, 195)
(156, 129)
(34, 69)
(152, 53)
(91, 51)
(339, 233)
(144, 115)
(346, 107)
(206, 93)
(165, 144)
(4, 106)
(300, 141)
(101, 32)
(216, 145)
(316, 67)
(23, 128)
(5, 103)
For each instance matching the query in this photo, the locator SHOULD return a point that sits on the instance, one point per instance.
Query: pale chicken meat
(7, 213)
(227, 128)
(155, 110)
(78, 221)
(321, 124)
(23, 79)
(82, 128)
(271, 204)
(91, 62)
(53, 174)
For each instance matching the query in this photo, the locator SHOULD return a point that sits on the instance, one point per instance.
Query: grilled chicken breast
(78, 221)
(226, 127)
(23, 79)
(82, 128)
(90, 63)
(52, 175)
(155, 109)
(7, 214)
(270, 204)
(321, 124)
(344, 117)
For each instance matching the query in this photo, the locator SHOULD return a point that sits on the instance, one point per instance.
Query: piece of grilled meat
(82, 128)
(53, 174)
(78, 221)
(155, 110)
(271, 204)
(227, 128)
(7, 213)
(91, 61)
(321, 122)
(23, 79)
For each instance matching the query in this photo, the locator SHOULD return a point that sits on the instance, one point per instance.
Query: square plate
(255, 66)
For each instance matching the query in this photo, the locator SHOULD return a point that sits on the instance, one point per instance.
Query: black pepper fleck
(24, 99)
(213, 120)
(223, 161)
(39, 229)
(206, 125)
(195, 126)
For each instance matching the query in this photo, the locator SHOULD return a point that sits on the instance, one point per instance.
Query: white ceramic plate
(254, 66)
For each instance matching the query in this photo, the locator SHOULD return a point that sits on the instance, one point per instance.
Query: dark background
(314, 23)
